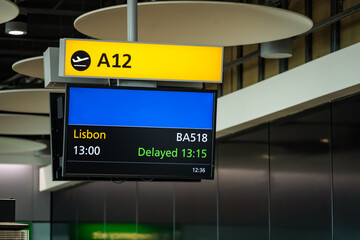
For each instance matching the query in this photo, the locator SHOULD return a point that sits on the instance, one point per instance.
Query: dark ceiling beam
(273, 3)
(242, 60)
(332, 19)
(21, 52)
(12, 78)
(29, 39)
(60, 12)
(58, 4)
(9, 58)
(50, 11)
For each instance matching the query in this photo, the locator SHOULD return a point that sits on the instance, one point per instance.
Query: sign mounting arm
(132, 36)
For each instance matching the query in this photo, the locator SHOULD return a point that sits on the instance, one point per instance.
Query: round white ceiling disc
(22, 124)
(8, 11)
(196, 22)
(26, 100)
(18, 145)
(24, 158)
(33, 67)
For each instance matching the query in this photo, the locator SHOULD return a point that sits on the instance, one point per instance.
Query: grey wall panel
(20, 182)
(243, 186)
(346, 157)
(300, 176)
(16, 181)
(40, 231)
(41, 200)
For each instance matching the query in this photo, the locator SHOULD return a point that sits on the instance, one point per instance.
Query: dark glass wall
(196, 210)
(294, 178)
(300, 176)
(243, 186)
(346, 155)
(155, 208)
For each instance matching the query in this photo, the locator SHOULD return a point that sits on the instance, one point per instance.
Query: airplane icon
(79, 59)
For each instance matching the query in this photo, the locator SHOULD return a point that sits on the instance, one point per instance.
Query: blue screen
(140, 108)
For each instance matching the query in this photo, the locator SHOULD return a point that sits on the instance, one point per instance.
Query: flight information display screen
(139, 133)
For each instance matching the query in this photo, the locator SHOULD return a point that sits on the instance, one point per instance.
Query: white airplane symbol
(79, 59)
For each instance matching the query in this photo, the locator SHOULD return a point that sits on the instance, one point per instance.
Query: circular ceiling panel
(8, 11)
(24, 158)
(22, 124)
(26, 100)
(196, 22)
(33, 67)
(17, 145)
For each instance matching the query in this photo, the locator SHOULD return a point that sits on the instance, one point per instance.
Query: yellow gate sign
(145, 61)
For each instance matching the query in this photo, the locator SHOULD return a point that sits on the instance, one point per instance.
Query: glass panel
(196, 210)
(40, 231)
(300, 171)
(346, 155)
(244, 185)
(155, 210)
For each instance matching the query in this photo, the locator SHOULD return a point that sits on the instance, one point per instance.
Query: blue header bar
(140, 108)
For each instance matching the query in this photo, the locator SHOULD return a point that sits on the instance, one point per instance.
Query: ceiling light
(18, 26)
(324, 140)
(276, 49)
(11, 30)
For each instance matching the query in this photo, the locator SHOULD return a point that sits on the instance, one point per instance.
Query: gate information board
(139, 133)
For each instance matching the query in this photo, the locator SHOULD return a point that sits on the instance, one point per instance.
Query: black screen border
(66, 175)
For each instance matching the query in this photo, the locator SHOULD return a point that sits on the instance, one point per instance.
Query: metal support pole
(132, 21)
(261, 68)
(240, 68)
(132, 36)
(336, 7)
(261, 61)
(283, 65)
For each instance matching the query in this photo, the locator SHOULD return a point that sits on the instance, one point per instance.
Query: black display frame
(57, 106)
(125, 176)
